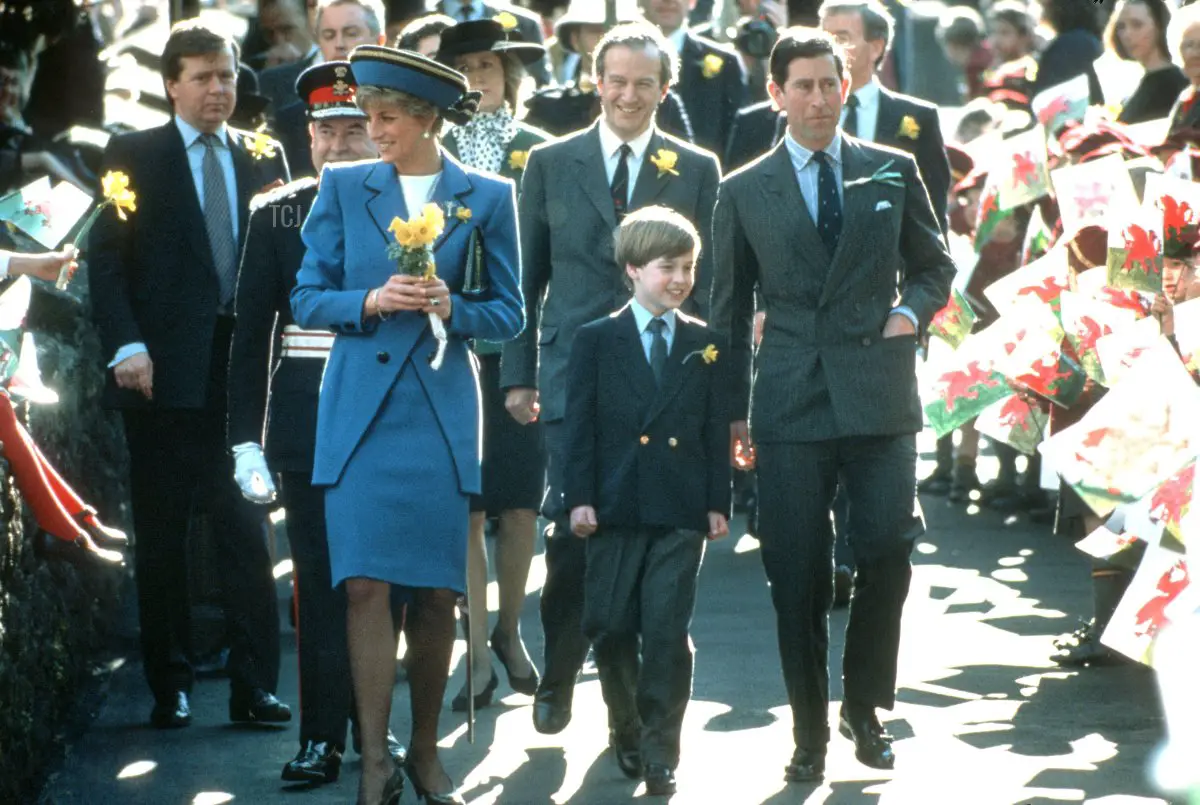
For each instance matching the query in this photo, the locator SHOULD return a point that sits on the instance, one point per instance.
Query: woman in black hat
(514, 463)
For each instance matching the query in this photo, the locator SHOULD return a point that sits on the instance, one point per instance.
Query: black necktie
(829, 202)
(467, 11)
(620, 182)
(658, 348)
(218, 220)
(851, 124)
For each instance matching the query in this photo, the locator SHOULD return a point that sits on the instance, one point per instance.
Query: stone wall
(55, 620)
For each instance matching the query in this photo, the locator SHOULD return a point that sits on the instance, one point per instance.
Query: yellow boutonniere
(665, 160)
(909, 127)
(517, 160)
(507, 21)
(711, 66)
(259, 145)
(463, 213)
(708, 354)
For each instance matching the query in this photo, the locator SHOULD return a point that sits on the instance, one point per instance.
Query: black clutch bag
(475, 279)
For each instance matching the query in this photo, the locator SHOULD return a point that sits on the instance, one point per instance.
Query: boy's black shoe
(807, 766)
(660, 780)
(628, 752)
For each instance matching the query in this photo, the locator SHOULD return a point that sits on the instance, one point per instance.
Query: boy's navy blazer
(639, 453)
(346, 235)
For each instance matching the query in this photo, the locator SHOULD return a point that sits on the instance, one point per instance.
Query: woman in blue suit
(398, 440)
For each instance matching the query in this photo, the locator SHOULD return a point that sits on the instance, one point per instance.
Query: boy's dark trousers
(642, 582)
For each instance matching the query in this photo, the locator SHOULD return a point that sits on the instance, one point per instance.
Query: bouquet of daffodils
(413, 253)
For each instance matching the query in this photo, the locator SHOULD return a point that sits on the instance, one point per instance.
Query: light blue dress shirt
(643, 318)
(806, 169)
(195, 155)
(453, 8)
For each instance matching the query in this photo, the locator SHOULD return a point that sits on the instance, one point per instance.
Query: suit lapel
(450, 194)
(633, 355)
(244, 173)
(779, 181)
(177, 173)
(887, 122)
(686, 343)
(649, 183)
(856, 209)
(387, 199)
(593, 177)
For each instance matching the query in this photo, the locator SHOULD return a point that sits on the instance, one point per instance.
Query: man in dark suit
(284, 25)
(529, 25)
(712, 83)
(824, 224)
(341, 26)
(275, 373)
(162, 285)
(575, 192)
(755, 130)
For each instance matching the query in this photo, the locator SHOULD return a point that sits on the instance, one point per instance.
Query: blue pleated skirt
(398, 514)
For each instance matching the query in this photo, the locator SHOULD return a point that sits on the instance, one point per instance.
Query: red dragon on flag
(965, 384)
(1172, 499)
(1142, 248)
(1153, 615)
(1025, 169)
(1056, 107)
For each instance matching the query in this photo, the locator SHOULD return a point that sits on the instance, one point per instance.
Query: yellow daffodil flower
(909, 127)
(710, 353)
(711, 66)
(517, 160)
(463, 213)
(115, 187)
(665, 160)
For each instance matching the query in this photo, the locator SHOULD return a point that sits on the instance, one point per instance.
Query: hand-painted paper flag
(1014, 422)
(1120, 351)
(1178, 202)
(1085, 321)
(1023, 174)
(1171, 503)
(1038, 237)
(1135, 258)
(1086, 192)
(1056, 106)
(989, 214)
(46, 214)
(1043, 280)
(1134, 438)
(1103, 543)
(962, 383)
(1161, 592)
(953, 323)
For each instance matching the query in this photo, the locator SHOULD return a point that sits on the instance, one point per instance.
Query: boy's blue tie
(658, 348)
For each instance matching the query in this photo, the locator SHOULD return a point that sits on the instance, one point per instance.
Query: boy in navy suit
(647, 481)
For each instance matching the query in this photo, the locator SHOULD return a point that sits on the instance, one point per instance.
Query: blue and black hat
(416, 75)
(327, 89)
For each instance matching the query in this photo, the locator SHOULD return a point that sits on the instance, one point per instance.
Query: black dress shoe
(259, 706)
(628, 752)
(844, 728)
(938, 483)
(843, 586)
(317, 762)
(870, 746)
(482, 699)
(552, 710)
(660, 780)
(527, 685)
(171, 712)
(807, 766)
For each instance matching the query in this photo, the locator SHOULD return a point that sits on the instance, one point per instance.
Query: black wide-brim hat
(481, 36)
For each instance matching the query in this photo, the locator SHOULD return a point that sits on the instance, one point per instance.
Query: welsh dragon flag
(954, 322)
(1043, 280)
(1135, 251)
(1171, 503)
(1023, 172)
(1086, 192)
(1161, 592)
(990, 214)
(1085, 320)
(1177, 202)
(1056, 106)
(1033, 357)
(1014, 422)
(959, 385)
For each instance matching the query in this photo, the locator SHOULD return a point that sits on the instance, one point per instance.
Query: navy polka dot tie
(829, 203)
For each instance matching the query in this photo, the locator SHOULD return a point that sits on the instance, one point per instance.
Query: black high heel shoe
(424, 793)
(527, 685)
(394, 790)
(482, 699)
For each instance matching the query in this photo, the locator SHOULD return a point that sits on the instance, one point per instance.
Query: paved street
(983, 718)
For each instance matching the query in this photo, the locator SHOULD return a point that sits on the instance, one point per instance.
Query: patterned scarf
(482, 142)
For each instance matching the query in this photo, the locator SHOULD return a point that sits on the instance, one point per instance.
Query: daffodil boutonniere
(708, 354)
(909, 128)
(665, 159)
(259, 145)
(517, 160)
(413, 253)
(507, 20)
(114, 186)
(883, 176)
(711, 66)
(463, 214)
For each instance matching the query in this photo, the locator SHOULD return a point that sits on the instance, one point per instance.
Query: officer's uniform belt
(298, 343)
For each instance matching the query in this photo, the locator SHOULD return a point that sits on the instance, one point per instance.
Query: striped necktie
(218, 220)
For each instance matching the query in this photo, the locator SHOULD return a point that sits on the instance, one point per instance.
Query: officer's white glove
(251, 473)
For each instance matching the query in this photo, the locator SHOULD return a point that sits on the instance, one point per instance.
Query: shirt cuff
(5, 257)
(907, 312)
(127, 351)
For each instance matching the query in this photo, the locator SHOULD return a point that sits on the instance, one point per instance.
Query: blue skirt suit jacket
(397, 442)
